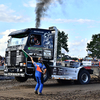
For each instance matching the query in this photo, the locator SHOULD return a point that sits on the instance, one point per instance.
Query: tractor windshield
(17, 40)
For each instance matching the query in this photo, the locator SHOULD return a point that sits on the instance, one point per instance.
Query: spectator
(36, 40)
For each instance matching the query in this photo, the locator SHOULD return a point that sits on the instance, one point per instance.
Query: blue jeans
(39, 84)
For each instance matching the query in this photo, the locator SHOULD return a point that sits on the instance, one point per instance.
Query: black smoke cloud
(41, 8)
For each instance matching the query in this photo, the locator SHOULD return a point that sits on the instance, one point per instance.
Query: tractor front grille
(13, 58)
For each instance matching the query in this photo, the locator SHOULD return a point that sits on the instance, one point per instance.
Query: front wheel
(46, 76)
(84, 77)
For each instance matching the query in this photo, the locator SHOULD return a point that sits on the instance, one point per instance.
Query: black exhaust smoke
(41, 8)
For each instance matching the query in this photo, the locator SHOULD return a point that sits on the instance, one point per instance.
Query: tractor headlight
(5, 70)
(21, 70)
(22, 64)
(47, 53)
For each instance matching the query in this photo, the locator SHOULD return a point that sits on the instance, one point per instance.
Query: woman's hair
(40, 59)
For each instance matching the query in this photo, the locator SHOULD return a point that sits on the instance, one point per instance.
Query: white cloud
(89, 41)
(80, 43)
(84, 20)
(69, 20)
(74, 20)
(3, 41)
(77, 37)
(31, 3)
(78, 48)
(7, 15)
(76, 43)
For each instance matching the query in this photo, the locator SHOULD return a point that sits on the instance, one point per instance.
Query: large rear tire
(21, 79)
(84, 77)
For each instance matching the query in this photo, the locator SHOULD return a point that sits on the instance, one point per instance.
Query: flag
(26, 54)
(63, 51)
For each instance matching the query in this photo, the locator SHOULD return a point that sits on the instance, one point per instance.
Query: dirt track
(13, 90)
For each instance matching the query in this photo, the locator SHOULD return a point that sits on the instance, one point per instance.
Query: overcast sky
(80, 19)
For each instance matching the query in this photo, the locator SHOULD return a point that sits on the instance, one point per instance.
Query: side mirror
(8, 41)
(32, 36)
(32, 41)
